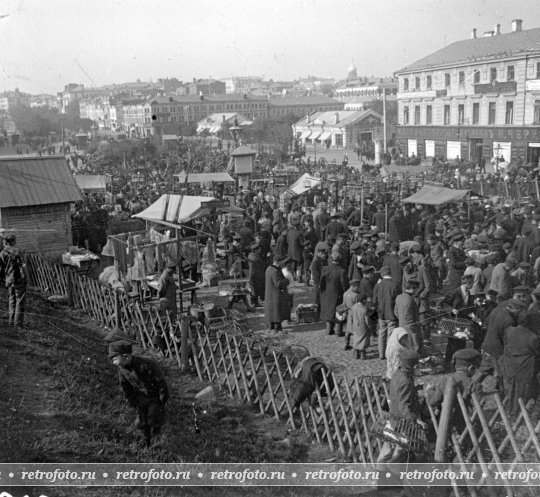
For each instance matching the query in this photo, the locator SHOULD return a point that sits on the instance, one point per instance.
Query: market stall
(93, 183)
(437, 195)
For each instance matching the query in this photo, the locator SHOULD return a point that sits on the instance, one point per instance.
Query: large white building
(475, 97)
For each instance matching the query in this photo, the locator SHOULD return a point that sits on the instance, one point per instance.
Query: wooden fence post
(70, 285)
(445, 419)
(184, 352)
(117, 309)
(537, 190)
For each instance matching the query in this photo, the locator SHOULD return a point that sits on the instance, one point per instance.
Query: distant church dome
(351, 73)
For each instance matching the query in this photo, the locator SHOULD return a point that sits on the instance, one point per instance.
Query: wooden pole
(362, 207)
(537, 189)
(445, 420)
(385, 219)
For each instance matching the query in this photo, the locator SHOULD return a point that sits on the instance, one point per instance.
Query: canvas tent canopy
(303, 184)
(173, 210)
(206, 178)
(92, 183)
(436, 195)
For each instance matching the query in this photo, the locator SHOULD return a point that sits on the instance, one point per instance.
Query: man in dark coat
(519, 362)
(145, 388)
(256, 273)
(456, 261)
(276, 299)
(501, 318)
(395, 227)
(334, 283)
(320, 261)
(280, 248)
(295, 249)
(310, 239)
(167, 290)
(355, 265)
(247, 237)
(392, 261)
(384, 299)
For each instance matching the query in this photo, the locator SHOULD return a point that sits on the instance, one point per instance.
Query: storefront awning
(325, 136)
(305, 134)
(315, 135)
(215, 128)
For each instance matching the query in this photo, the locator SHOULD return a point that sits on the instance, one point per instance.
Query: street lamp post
(498, 149)
(235, 132)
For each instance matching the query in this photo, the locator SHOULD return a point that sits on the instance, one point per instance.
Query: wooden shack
(36, 194)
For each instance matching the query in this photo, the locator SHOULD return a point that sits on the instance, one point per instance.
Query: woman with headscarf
(399, 340)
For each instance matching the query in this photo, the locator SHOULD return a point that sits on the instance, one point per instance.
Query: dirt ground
(61, 402)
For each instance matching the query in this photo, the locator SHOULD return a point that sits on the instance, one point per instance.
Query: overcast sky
(123, 40)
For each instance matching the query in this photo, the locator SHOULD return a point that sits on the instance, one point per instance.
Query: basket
(450, 326)
(307, 313)
(406, 433)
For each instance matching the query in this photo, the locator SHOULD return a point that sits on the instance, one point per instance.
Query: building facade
(473, 98)
(10, 99)
(206, 87)
(300, 106)
(242, 84)
(341, 129)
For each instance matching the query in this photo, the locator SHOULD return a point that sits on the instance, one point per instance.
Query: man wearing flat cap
(145, 388)
(384, 300)
(501, 318)
(276, 297)
(456, 261)
(501, 279)
(466, 363)
(13, 270)
(334, 283)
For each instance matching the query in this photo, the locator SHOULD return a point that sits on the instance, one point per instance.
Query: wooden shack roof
(36, 181)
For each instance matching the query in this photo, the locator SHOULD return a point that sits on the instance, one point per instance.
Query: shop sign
(496, 87)
(451, 133)
(533, 85)
(417, 94)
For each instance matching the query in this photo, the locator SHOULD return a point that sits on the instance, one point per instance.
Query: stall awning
(178, 209)
(205, 178)
(303, 184)
(315, 135)
(305, 134)
(92, 182)
(325, 136)
(215, 128)
(436, 195)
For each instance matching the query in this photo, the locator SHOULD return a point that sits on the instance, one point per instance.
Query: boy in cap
(404, 404)
(466, 363)
(145, 388)
(319, 262)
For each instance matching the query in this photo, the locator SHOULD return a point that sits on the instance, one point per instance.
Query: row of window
(492, 114)
(493, 76)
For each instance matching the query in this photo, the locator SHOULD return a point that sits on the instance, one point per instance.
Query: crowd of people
(386, 275)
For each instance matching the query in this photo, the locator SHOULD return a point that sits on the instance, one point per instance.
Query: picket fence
(259, 372)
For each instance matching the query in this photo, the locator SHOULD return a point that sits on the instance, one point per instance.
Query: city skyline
(58, 42)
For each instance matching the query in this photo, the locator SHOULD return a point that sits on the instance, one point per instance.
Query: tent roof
(178, 209)
(205, 178)
(92, 181)
(303, 184)
(243, 150)
(436, 195)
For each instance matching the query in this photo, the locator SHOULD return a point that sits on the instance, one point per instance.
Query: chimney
(487, 34)
(517, 25)
(497, 29)
(473, 34)
(336, 115)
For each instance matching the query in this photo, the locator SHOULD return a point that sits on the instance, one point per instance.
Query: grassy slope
(62, 403)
